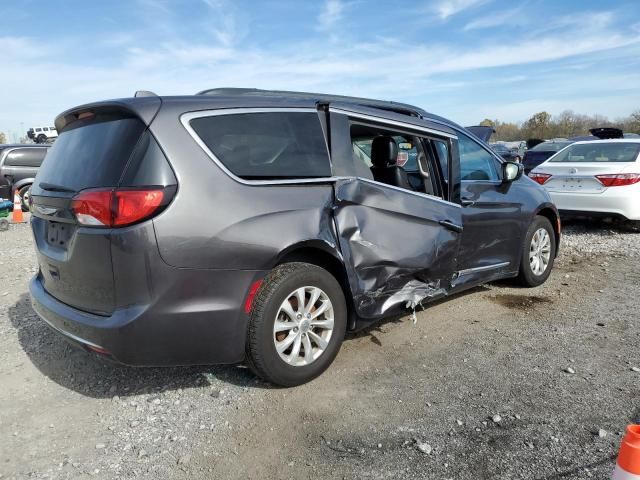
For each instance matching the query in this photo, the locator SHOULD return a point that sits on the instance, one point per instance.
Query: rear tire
(41, 138)
(312, 341)
(538, 253)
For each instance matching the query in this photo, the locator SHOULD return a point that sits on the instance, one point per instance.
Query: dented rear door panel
(399, 247)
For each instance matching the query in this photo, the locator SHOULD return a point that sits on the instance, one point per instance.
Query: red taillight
(618, 179)
(93, 208)
(115, 208)
(541, 178)
(133, 205)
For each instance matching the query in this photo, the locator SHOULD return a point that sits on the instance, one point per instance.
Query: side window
(264, 146)
(25, 157)
(46, 129)
(411, 166)
(38, 129)
(442, 150)
(475, 162)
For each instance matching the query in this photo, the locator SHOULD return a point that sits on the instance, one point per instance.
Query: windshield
(599, 152)
(549, 146)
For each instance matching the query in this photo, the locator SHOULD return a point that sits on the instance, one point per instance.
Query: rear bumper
(616, 201)
(180, 328)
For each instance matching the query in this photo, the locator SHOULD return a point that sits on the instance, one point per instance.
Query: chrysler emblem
(45, 210)
(573, 170)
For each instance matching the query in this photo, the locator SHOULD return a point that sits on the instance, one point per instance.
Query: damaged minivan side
(241, 225)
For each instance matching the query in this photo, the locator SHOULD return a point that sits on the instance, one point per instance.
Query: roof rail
(323, 97)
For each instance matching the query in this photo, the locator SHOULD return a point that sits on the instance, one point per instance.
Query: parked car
(505, 152)
(255, 226)
(534, 156)
(595, 178)
(482, 132)
(42, 134)
(19, 164)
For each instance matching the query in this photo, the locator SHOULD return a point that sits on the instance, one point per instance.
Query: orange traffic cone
(17, 216)
(628, 464)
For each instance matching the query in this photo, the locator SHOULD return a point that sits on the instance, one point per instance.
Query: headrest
(384, 151)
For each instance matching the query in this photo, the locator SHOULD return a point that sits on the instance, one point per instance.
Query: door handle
(451, 226)
(466, 201)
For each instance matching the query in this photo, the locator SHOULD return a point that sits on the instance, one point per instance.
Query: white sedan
(595, 178)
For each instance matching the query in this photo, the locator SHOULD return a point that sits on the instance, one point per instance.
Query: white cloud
(176, 66)
(447, 8)
(330, 15)
(497, 19)
(226, 26)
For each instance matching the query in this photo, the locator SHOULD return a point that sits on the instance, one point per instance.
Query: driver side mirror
(511, 171)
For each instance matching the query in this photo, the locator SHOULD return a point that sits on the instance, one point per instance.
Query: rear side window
(599, 152)
(271, 145)
(93, 154)
(25, 157)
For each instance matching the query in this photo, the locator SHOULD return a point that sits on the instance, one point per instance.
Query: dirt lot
(495, 383)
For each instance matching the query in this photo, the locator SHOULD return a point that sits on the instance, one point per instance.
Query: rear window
(599, 152)
(25, 157)
(550, 146)
(272, 145)
(93, 154)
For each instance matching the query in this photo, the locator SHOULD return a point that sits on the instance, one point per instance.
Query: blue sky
(463, 59)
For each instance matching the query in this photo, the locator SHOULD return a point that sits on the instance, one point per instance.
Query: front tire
(538, 253)
(298, 322)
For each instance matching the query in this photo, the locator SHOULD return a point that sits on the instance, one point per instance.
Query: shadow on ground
(88, 374)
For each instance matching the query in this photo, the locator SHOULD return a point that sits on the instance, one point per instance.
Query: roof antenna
(144, 93)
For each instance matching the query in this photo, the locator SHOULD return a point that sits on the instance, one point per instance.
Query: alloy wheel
(540, 251)
(303, 326)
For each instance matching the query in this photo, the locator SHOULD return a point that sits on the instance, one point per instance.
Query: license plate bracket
(58, 234)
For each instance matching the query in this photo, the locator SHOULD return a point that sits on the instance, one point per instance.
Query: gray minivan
(259, 226)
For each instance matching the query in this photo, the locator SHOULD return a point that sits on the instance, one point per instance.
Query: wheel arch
(550, 212)
(323, 255)
(22, 183)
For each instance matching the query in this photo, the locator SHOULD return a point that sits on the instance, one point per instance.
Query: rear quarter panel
(216, 222)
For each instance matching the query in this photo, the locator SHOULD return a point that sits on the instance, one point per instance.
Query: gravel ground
(498, 382)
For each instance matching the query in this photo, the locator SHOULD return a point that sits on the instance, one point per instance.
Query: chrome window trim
(186, 118)
(483, 269)
(399, 189)
(395, 123)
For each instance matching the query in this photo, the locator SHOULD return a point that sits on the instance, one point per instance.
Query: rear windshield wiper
(51, 187)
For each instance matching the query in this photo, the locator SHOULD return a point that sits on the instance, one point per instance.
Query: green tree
(3, 138)
(538, 125)
(508, 132)
(632, 123)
